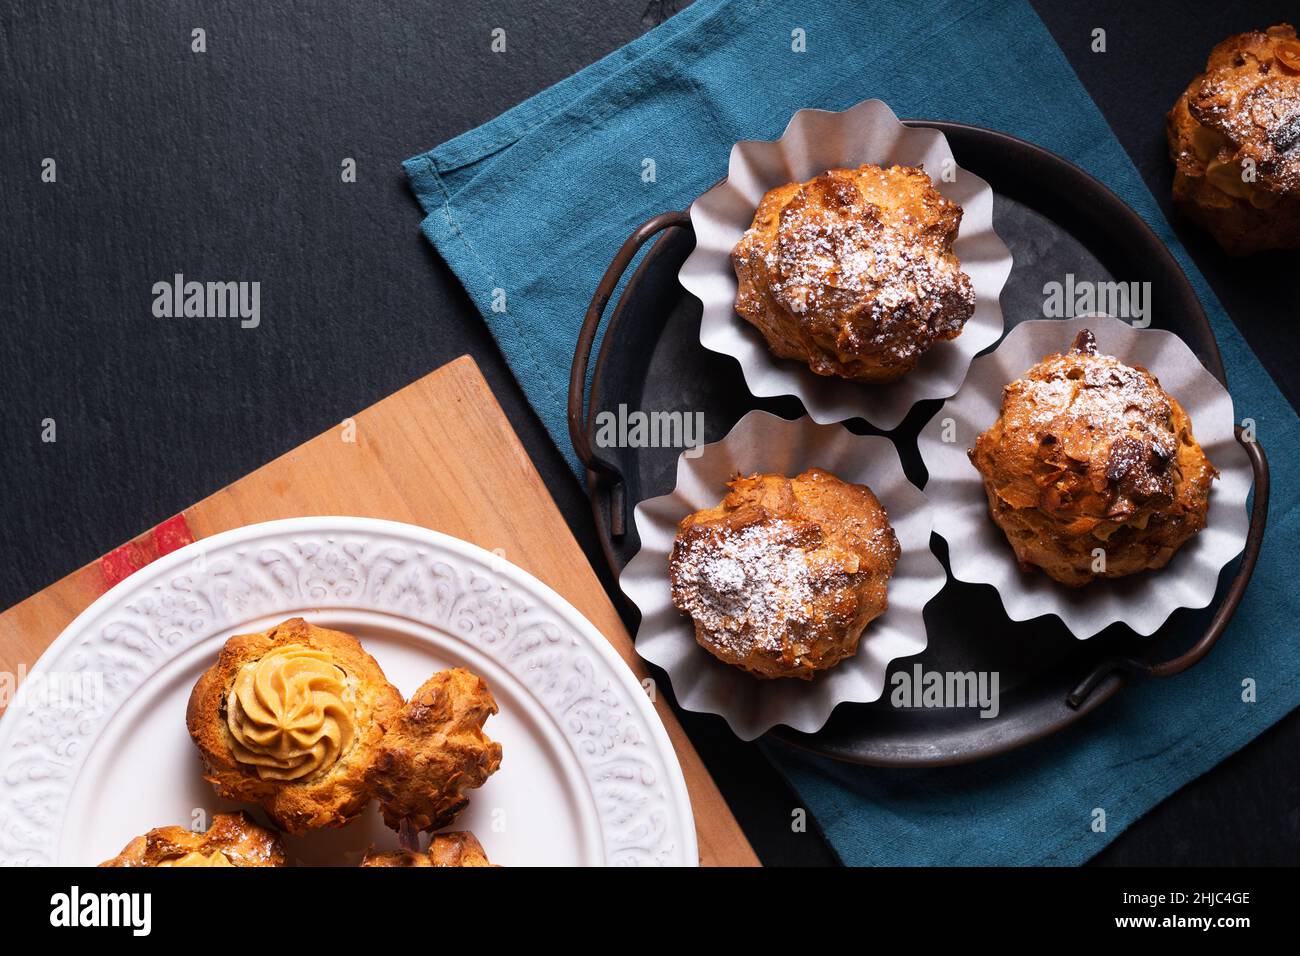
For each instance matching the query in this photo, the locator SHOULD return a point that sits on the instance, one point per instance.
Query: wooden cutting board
(439, 453)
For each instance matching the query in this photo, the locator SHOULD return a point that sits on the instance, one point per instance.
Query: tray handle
(1193, 655)
(579, 433)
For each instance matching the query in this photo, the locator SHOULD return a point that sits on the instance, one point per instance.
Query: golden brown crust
(1091, 453)
(445, 849)
(784, 574)
(232, 840)
(1234, 137)
(853, 272)
(435, 750)
(329, 796)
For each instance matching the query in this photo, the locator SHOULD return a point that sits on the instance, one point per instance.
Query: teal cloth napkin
(529, 208)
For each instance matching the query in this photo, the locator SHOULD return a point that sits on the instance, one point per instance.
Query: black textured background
(225, 165)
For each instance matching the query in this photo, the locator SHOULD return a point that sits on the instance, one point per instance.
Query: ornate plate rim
(675, 794)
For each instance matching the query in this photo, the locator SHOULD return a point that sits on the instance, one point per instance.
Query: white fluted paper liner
(979, 551)
(761, 442)
(815, 141)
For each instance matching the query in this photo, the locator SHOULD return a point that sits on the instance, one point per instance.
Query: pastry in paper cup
(814, 142)
(979, 551)
(766, 444)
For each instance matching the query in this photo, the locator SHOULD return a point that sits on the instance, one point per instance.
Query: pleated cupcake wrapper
(978, 550)
(764, 443)
(815, 141)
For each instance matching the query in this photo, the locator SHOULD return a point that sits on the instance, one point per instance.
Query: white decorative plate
(97, 751)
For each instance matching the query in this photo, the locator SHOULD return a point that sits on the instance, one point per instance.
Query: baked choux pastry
(853, 272)
(445, 849)
(782, 577)
(232, 840)
(1234, 137)
(434, 751)
(1091, 470)
(291, 719)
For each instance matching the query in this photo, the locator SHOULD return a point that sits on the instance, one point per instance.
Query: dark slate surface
(225, 165)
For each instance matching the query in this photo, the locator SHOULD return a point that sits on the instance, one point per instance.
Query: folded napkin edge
(514, 124)
(441, 228)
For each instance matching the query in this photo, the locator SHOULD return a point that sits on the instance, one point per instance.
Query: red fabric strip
(172, 534)
(120, 563)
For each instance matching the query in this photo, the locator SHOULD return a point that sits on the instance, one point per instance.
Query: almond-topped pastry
(782, 577)
(1091, 470)
(853, 272)
(232, 840)
(434, 751)
(445, 850)
(291, 718)
(1234, 136)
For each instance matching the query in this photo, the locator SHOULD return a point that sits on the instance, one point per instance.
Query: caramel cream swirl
(215, 858)
(290, 713)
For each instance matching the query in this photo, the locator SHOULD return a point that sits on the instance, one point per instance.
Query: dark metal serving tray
(1056, 219)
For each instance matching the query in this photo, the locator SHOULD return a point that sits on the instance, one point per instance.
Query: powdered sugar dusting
(1267, 117)
(862, 261)
(1254, 100)
(747, 587)
(827, 259)
(848, 257)
(1110, 397)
